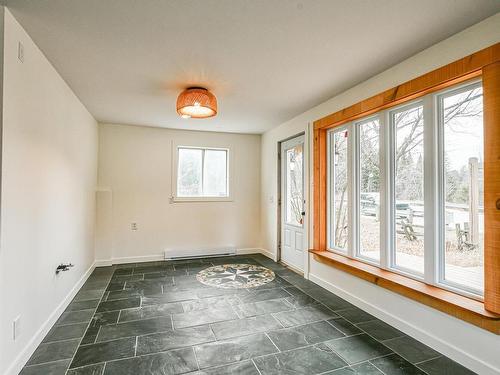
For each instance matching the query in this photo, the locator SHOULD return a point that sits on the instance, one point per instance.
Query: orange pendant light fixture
(196, 102)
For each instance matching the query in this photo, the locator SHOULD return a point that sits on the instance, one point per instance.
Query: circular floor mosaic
(235, 276)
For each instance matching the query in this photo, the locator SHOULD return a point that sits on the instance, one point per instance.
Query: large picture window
(410, 162)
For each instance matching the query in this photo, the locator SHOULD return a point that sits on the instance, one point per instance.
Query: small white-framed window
(201, 173)
(338, 174)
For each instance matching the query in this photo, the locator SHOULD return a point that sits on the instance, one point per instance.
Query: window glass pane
(294, 185)
(189, 172)
(215, 173)
(462, 119)
(409, 189)
(338, 190)
(369, 189)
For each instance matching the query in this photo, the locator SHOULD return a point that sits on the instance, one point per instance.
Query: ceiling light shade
(196, 102)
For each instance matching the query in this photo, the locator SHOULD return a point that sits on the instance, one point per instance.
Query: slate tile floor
(155, 319)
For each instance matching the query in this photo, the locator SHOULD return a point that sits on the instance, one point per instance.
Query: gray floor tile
(73, 317)
(395, 365)
(159, 342)
(86, 295)
(246, 326)
(300, 299)
(87, 370)
(308, 361)
(278, 282)
(66, 332)
(179, 361)
(411, 349)
(214, 292)
(119, 304)
(168, 297)
(355, 315)
(123, 272)
(263, 295)
(152, 311)
(155, 268)
(304, 315)
(380, 330)
(233, 350)
(134, 328)
(296, 337)
(358, 348)
(148, 285)
(54, 351)
(147, 297)
(98, 284)
(365, 368)
(82, 305)
(128, 277)
(344, 326)
(51, 368)
(240, 368)
(195, 318)
(211, 302)
(115, 285)
(327, 298)
(262, 307)
(444, 366)
(105, 351)
(125, 294)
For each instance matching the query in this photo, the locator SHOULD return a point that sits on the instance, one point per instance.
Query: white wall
(49, 171)
(135, 183)
(467, 344)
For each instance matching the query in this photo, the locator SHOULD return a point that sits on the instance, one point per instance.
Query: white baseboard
(250, 250)
(18, 364)
(125, 260)
(425, 337)
(157, 257)
(268, 254)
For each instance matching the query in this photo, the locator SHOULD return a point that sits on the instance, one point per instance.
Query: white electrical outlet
(20, 52)
(16, 328)
(133, 226)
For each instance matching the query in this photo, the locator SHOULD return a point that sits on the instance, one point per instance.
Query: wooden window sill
(467, 309)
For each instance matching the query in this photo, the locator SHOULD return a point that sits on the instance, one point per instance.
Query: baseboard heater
(178, 254)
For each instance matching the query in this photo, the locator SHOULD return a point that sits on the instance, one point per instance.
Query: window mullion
(203, 172)
(432, 166)
(385, 191)
(352, 163)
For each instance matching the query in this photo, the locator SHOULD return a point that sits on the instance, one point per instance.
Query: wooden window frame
(484, 64)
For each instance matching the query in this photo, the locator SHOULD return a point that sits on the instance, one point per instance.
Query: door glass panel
(462, 119)
(189, 172)
(294, 185)
(369, 189)
(408, 207)
(338, 190)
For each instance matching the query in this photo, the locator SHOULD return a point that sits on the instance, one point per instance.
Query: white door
(292, 202)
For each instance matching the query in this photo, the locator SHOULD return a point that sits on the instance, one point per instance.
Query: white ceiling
(266, 60)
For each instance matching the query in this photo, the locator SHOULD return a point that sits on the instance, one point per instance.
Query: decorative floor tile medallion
(235, 276)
